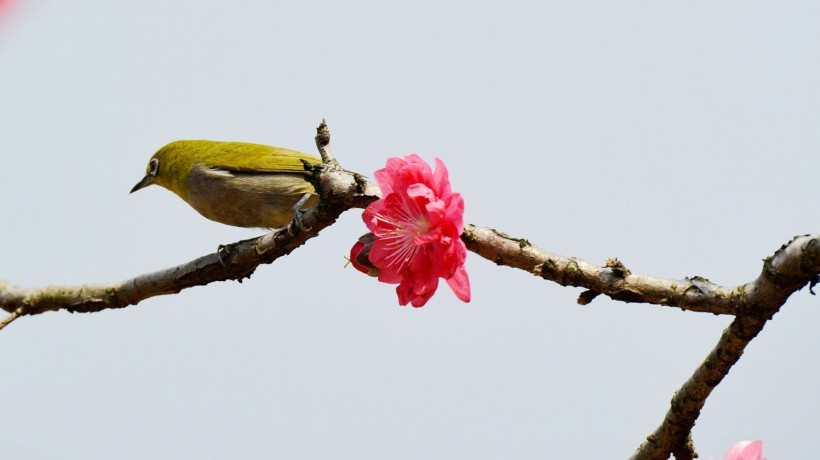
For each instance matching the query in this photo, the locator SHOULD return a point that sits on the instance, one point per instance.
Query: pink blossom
(5, 7)
(746, 450)
(417, 228)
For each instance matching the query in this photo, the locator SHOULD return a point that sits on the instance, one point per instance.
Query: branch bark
(612, 279)
(794, 265)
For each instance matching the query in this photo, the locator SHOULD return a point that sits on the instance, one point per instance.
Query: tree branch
(794, 265)
(612, 279)
(675, 430)
(340, 190)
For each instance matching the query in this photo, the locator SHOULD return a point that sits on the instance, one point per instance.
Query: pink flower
(417, 228)
(746, 450)
(5, 7)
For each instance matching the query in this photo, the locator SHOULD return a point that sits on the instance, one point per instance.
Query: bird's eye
(153, 167)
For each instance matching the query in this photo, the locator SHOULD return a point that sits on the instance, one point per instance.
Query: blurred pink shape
(5, 7)
(746, 450)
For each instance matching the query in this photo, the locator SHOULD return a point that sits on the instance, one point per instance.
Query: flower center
(401, 237)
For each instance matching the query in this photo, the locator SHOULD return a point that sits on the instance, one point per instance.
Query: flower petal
(746, 450)
(460, 284)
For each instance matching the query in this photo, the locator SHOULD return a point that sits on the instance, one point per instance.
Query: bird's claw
(221, 252)
(298, 223)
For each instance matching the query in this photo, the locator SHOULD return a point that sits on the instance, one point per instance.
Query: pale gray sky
(680, 137)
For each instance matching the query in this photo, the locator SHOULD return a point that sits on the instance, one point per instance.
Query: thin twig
(323, 143)
(11, 317)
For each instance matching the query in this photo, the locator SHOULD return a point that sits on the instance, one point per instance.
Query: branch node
(587, 297)
(547, 269)
(360, 181)
(617, 267)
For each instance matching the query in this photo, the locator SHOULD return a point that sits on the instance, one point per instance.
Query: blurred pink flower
(746, 450)
(5, 7)
(416, 229)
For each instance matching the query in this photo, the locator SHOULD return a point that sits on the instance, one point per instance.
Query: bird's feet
(297, 224)
(222, 252)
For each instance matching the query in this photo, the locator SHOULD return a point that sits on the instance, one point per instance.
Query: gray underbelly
(246, 199)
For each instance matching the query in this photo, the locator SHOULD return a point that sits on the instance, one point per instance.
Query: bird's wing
(257, 158)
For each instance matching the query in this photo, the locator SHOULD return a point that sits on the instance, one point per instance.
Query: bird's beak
(146, 181)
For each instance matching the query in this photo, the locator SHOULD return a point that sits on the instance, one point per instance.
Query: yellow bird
(235, 183)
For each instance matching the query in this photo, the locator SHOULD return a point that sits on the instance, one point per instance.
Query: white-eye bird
(235, 183)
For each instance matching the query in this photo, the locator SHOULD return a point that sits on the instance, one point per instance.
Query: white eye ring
(153, 167)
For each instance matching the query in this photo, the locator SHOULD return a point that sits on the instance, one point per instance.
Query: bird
(235, 183)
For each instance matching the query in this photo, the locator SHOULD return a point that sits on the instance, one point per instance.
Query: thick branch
(612, 279)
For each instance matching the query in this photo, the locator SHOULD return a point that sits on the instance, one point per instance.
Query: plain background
(680, 137)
